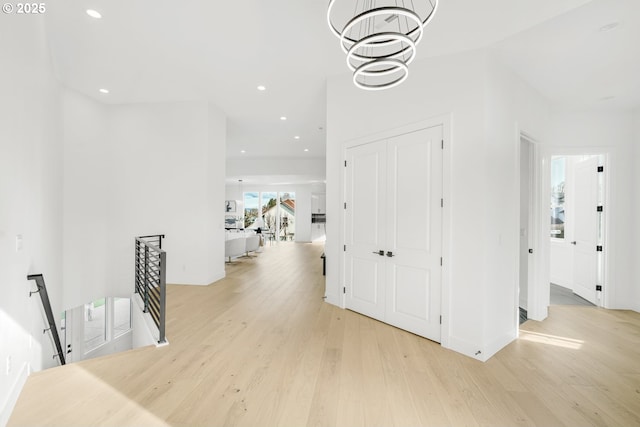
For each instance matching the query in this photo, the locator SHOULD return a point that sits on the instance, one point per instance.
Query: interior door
(393, 231)
(586, 229)
(365, 229)
(414, 232)
(526, 202)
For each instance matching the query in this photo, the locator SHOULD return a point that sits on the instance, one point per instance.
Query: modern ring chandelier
(379, 37)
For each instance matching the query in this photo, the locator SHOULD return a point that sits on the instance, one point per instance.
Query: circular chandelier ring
(356, 59)
(379, 50)
(338, 34)
(379, 42)
(364, 68)
(367, 41)
(376, 12)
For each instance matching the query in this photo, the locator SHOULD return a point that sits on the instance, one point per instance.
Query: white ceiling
(150, 50)
(576, 63)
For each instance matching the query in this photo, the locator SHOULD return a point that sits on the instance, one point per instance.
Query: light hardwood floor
(261, 348)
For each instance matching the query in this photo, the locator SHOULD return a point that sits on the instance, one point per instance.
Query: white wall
(274, 166)
(635, 255)
(215, 194)
(572, 132)
(511, 107)
(87, 201)
(161, 186)
(318, 205)
(30, 201)
(141, 169)
(303, 213)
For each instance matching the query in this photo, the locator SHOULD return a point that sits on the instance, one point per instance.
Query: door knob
(381, 253)
(530, 251)
(573, 243)
(390, 254)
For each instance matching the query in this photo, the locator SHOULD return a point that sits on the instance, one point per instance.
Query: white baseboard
(467, 348)
(485, 352)
(14, 394)
(333, 300)
(498, 344)
(217, 277)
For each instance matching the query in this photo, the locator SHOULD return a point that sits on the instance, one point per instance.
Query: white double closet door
(393, 231)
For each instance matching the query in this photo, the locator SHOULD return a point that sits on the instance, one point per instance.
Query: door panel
(364, 291)
(586, 229)
(409, 176)
(410, 293)
(366, 195)
(364, 233)
(415, 216)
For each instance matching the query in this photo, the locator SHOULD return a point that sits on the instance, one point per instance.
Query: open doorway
(526, 227)
(564, 223)
(576, 261)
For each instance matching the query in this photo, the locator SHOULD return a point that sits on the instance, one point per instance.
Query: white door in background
(394, 231)
(585, 231)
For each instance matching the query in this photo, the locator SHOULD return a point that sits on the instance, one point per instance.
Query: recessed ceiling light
(242, 151)
(104, 90)
(306, 149)
(283, 118)
(296, 137)
(609, 27)
(262, 88)
(94, 13)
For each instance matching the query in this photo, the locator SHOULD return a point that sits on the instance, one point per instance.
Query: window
(269, 210)
(250, 210)
(95, 325)
(121, 316)
(287, 215)
(558, 178)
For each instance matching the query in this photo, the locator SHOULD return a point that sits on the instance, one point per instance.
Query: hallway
(261, 348)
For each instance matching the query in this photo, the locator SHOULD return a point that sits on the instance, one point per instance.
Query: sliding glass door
(273, 212)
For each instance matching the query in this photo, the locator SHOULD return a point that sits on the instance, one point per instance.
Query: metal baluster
(146, 281)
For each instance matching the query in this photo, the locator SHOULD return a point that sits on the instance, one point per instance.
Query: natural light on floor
(88, 386)
(551, 340)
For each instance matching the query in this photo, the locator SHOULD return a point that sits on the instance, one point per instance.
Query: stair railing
(150, 278)
(44, 297)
